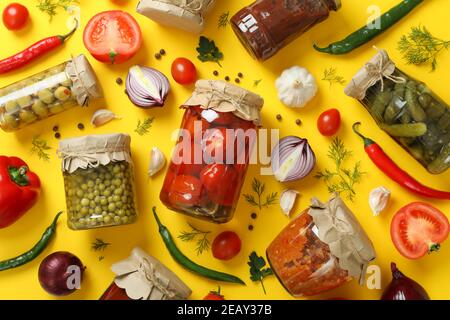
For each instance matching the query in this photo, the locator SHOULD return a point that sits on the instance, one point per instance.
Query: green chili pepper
(34, 252)
(368, 32)
(407, 130)
(179, 257)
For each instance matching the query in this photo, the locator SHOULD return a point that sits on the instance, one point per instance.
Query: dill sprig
(203, 243)
(99, 245)
(332, 77)
(341, 180)
(50, 6)
(224, 20)
(143, 127)
(421, 47)
(40, 147)
(259, 188)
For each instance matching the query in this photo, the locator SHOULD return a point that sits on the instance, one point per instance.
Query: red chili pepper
(35, 51)
(385, 164)
(19, 190)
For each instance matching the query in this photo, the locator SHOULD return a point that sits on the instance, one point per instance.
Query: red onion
(147, 87)
(403, 288)
(292, 159)
(59, 273)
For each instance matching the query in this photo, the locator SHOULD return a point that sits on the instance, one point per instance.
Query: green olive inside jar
(50, 92)
(406, 109)
(98, 181)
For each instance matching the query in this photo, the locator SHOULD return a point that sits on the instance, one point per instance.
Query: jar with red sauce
(212, 153)
(322, 249)
(266, 26)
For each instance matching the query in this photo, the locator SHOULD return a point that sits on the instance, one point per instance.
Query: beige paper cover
(188, 15)
(93, 151)
(85, 83)
(340, 229)
(145, 278)
(225, 97)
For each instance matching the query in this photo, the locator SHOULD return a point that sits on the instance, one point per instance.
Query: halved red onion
(292, 159)
(147, 87)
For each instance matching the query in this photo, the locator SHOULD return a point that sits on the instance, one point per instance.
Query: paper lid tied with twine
(85, 84)
(145, 278)
(379, 68)
(188, 15)
(93, 151)
(222, 96)
(339, 228)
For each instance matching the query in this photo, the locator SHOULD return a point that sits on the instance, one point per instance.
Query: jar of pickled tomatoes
(212, 153)
(322, 249)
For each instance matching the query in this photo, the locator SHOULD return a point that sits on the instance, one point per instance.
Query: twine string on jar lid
(193, 6)
(147, 269)
(378, 71)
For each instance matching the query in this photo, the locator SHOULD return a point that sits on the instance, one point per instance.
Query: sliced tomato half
(418, 229)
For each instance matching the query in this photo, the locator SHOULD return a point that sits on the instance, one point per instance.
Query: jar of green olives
(406, 109)
(98, 181)
(48, 93)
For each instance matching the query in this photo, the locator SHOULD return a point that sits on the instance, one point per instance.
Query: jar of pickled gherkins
(406, 109)
(48, 93)
(266, 26)
(322, 249)
(98, 181)
(212, 153)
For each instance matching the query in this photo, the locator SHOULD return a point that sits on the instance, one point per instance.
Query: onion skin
(403, 288)
(53, 273)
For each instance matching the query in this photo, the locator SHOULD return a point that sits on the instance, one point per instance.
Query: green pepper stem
(19, 175)
(324, 50)
(160, 225)
(56, 219)
(367, 141)
(64, 37)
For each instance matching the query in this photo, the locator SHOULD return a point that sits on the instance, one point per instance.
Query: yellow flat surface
(432, 271)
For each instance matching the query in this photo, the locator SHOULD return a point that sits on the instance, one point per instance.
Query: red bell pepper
(19, 189)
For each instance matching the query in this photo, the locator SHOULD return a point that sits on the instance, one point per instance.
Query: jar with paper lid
(188, 15)
(98, 181)
(266, 26)
(48, 93)
(406, 109)
(143, 277)
(322, 249)
(212, 153)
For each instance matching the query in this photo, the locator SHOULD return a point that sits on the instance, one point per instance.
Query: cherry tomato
(183, 71)
(226, 245)
(214, 144)
(212, 176)
(418, 229)
(194, 123)
(189, 165)
(220, 182)
(15, 16)
(329, 122)
(185, 190)
(112, 36)
(214, 295)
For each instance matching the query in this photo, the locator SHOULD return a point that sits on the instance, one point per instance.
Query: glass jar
(48, 93)
(406, 109)
(266, 26)
(98, 181)
(212, 154)
(308, 259)
(188, 15)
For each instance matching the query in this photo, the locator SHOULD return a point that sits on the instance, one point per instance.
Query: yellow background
(431, 271)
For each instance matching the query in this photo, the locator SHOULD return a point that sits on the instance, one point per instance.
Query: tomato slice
(112, 36)
(185, 190)
(418, 229)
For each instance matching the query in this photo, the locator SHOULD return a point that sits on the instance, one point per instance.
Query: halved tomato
(418, 229)
(112, 36)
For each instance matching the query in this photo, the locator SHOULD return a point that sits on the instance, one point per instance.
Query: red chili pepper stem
(68, 35)
(367, 142)
(19, 175)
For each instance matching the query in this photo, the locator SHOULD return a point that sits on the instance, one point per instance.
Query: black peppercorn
(298, 122)
(240, 75)
(57, 135)
(119, 81)
(158, 56)
(162, 52)
(216, 73)
(55, 129)
(279, 117)
(80, 126)
(250, 227)
(254, 216)
(237, 80)
(227, 78)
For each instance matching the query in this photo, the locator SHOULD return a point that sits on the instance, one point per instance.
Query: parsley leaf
(257, 270)
(208, 51)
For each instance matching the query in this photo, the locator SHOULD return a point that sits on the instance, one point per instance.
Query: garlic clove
(157, 161)
(103, 116)
(287, 201)
(379, 199)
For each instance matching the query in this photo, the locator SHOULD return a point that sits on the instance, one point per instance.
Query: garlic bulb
(379, 200)
(296, 87)
(102, 116)
(157, 161)
(287, 201)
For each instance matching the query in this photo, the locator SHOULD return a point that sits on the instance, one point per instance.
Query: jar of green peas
(98, 181)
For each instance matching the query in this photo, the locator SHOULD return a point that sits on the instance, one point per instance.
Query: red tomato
(212, 176)
(418, 229)
(225, 119)
(214, 295)
(112, 36)
(214, 144)
(329, 122)
(187, 166)
(183, 71)
(185, 190)
(220, 182)
(195, 123)
(15, 16)
(226, 245)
